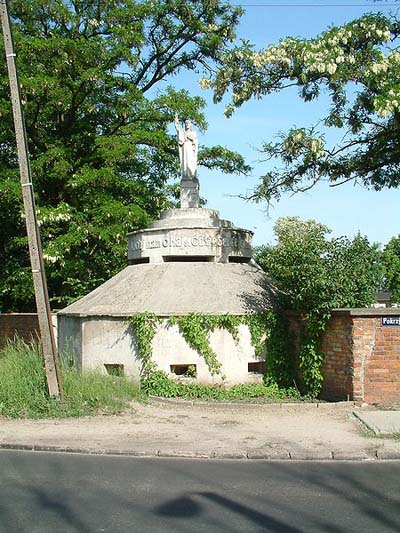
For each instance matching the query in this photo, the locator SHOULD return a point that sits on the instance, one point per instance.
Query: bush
(158, 384)
(23, 389)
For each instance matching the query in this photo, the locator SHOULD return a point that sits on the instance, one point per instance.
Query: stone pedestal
(190, 196)
(190, 235)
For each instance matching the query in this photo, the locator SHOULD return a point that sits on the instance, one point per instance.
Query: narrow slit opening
(257, 367)
(114, 369)
(188, 371)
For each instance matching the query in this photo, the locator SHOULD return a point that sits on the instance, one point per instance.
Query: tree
(94, 77)
(315, 274)
(358, 66)
(391, 261)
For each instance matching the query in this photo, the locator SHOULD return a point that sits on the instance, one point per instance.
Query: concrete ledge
(278, 455)
(380, 422)
(248, 404)
(367, 311)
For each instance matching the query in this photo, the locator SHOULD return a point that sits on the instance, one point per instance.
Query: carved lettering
(236, 242)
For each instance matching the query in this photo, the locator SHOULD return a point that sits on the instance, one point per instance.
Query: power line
(369, 6)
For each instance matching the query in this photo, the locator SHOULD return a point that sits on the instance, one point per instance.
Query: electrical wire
(375, 5)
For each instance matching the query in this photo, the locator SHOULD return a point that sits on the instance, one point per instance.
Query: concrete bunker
(190, 261)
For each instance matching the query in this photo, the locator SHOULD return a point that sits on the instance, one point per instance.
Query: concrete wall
(70, 338)
(98, 341)
(109, 341)
(170, 348)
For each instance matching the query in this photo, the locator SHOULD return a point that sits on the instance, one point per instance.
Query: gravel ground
(210, 429)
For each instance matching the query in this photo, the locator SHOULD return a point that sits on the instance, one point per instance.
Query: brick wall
(362, 357)
(376, 351)
(338, 365)
(24, 325)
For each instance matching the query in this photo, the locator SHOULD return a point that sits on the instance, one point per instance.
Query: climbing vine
(268, 331)
(311, 357)
(195, 328)
(280, 361)
(145, 327)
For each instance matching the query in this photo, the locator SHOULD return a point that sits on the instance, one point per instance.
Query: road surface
(51, 492)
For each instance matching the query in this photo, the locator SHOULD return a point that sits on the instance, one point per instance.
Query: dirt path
(297, 431)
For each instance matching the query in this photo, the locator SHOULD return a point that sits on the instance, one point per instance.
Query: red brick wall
(376, 361)
(338, 365)
(362, 357)
(24, 325)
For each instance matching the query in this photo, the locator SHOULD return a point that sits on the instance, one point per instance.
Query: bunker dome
(189, 261)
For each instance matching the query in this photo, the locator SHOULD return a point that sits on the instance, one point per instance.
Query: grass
(158, 384)
(23, 390)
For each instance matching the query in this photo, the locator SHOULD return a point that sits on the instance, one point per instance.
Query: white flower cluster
(325, 54)
(377, 68)
(299, 141)
(273, 55)
(51, 258)
(373, 31)
(53, 217)
(205, 83)
(394, 57)
(385, 106)
(95, 23)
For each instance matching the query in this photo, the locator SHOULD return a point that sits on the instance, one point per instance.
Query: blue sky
(346, 209)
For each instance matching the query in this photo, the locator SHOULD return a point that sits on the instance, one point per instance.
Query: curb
(246, 404)
(378, 454)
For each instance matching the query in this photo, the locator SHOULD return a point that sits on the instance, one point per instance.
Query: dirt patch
(208, 429)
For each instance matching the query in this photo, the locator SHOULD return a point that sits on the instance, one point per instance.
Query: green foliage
(357, 66)
(391, 261)
(269, 335)
(196, 328)
(23, 390)
(311, 357)
(258, 325)
(145, 328)
(98, 106)
(158, 384)
(280, 368)
(314, 275)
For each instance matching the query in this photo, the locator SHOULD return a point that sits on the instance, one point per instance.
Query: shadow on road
(42, 492)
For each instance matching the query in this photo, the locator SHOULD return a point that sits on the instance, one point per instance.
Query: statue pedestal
(191, 234)
(190, 196)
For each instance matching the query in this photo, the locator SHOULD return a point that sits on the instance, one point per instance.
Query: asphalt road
(50, 492)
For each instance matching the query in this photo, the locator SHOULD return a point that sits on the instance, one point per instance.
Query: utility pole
(50, 354)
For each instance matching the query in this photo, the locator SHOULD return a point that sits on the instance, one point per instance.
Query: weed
(23, 390)
(158, 384)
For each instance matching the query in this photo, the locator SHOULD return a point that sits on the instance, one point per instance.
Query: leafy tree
(391, 261)
(94, 77)
(315, 274)
(358, 66)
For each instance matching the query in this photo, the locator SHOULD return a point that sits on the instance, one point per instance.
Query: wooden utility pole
(50, 354)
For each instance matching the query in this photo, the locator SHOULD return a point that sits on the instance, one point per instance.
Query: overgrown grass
(158, 384)
(23, 390)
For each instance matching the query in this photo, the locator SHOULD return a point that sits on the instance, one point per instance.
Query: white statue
(188, 147)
